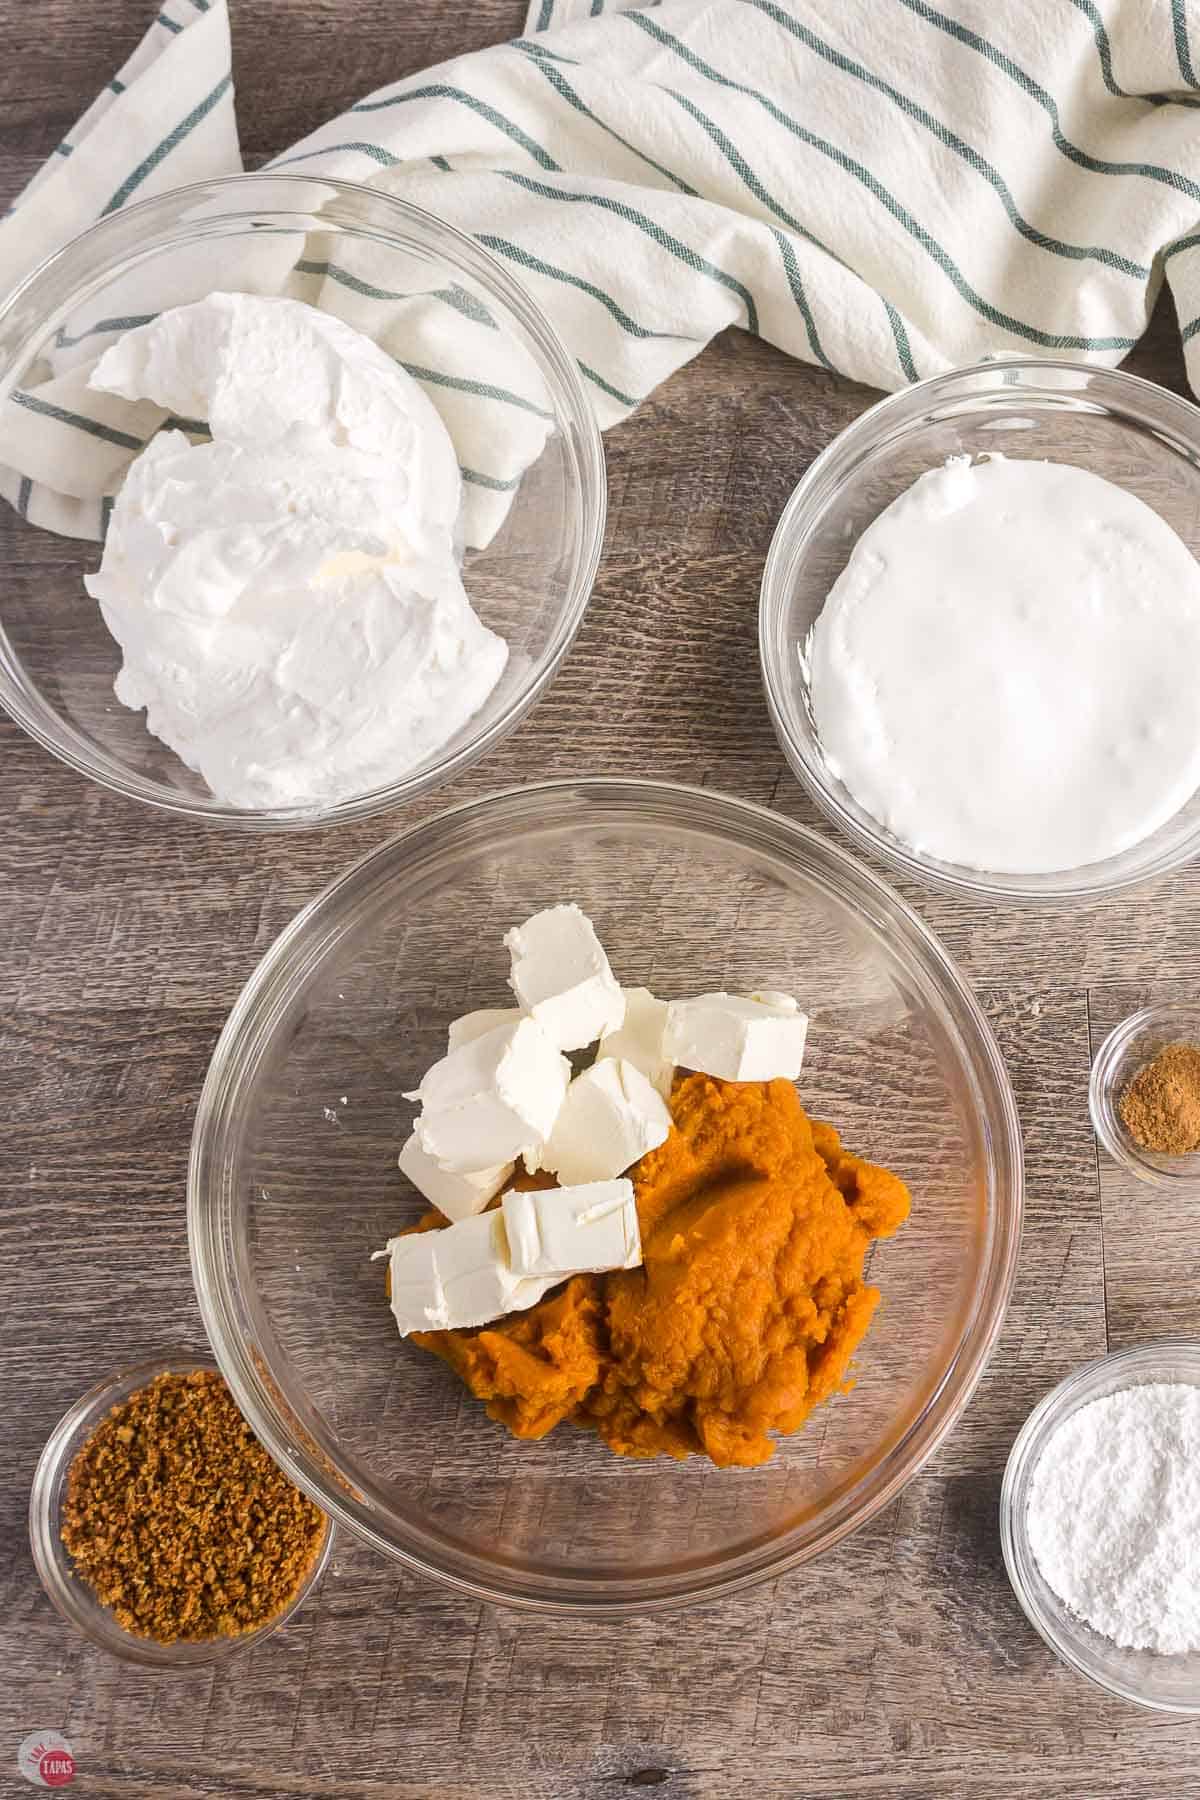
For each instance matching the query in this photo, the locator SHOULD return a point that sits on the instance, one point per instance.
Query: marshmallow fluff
(287, 596)
(1004, 674)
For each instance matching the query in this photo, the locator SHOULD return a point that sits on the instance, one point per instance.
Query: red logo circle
(57, 1768)
(45, 1759)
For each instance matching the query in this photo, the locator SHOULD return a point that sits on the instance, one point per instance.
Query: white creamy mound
(1114, 1516)
(1004, 675)
(287, 597)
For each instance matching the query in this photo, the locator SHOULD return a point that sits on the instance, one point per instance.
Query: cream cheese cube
(778, 1002)
(474, 1025)
(478, 1281)
(562, 978)
(416, 1297)
(736, 1039)
(555, 1232)
(610, 1117)
(459, 1277)
(456, 1195)
(493, 1099)
(639, 1038)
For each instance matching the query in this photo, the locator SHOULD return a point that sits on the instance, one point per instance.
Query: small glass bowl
(1124, 1051)
(72, 1597)
(1130, 431)
(392, 271)
(1164, 1683)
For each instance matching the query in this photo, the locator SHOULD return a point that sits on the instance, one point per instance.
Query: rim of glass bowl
(1007, 381)
(1143, 1360)
(70, 1596)
(119, 241)
(286, 1423)
(1170, 1172)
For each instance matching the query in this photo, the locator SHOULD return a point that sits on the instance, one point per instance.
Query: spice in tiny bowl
(161, 1526)
(1160, 1107)
(1145, 1095)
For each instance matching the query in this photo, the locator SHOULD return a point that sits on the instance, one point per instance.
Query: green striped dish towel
(884, 187)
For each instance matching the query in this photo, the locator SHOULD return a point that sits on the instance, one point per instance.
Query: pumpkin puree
(747, 1308)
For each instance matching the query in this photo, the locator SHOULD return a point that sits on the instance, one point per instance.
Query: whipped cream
(1004, 674)
(287, 596)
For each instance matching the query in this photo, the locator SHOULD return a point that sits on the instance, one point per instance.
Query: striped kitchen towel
(884, 187)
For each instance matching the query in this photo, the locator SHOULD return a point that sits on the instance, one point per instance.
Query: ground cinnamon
(179, 1520)
(1161, 1105)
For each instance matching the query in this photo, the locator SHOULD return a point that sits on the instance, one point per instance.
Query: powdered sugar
(1114, 1516)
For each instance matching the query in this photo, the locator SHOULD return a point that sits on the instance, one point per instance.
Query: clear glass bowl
(1125, 429)
(1126, 1049)
(73, 1598)
(1167, 1683)
(531, 583)
(293, 1183)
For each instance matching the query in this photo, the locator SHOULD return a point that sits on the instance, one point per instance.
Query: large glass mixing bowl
(508, 392)
(294, 1183)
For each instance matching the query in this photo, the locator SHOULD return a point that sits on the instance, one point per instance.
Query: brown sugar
(178, 1519)
(1161, 1106)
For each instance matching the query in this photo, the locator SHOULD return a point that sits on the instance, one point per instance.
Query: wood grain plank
(1056, 1318)
(897, 1666)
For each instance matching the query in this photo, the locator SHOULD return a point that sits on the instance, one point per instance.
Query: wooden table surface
(900, 1664)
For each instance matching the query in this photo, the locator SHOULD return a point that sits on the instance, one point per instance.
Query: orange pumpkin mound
(747, 1308)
